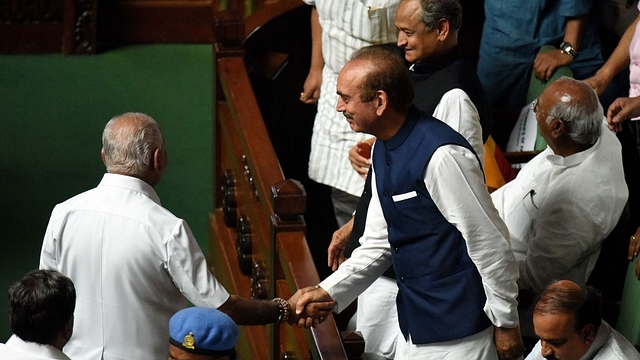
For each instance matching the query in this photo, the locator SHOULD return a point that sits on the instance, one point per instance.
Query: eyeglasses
(534, 109)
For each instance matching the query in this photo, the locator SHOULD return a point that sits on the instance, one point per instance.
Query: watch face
(568, 49)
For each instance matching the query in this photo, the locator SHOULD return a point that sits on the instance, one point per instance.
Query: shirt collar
(44, 350)
(405, 130)
(131, 183)
(572, 160)
(437, 63)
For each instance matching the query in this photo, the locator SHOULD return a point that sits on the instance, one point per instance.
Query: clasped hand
(311, 306)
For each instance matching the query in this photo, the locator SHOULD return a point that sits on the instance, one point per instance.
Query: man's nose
(545, 349)
(402, 39)
(340, 104)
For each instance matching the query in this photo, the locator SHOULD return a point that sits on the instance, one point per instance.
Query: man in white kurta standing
(432, 217)
(339, 28)
(134, 263)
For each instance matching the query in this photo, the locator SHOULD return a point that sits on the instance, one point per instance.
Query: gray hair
(129, 147)
(583, 119)
(434, 10)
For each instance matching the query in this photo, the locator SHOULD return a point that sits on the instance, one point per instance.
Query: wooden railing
(257, 232)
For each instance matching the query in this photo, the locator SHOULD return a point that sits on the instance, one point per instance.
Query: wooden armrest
(519, 157)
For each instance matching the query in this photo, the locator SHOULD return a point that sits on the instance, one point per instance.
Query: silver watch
(566, 48)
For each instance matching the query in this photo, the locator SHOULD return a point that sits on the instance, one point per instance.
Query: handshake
(310, 306)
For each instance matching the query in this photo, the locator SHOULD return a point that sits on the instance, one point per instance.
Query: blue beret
(201, 330)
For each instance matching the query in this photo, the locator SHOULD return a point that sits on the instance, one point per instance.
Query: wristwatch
(566, 48)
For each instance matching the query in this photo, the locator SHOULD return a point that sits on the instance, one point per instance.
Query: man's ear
(442, 29)
(159, 160)
(589, 334)
(557, 128)
(382, 101)
(104, 161)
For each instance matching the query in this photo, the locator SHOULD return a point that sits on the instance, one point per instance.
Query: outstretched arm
(247, 311)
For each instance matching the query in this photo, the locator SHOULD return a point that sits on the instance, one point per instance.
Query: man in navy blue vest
(432, 217)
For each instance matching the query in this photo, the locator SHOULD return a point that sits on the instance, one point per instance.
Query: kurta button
(384, 194)
(401, 279)
(389, 224)
(396, 249)
(387, 162)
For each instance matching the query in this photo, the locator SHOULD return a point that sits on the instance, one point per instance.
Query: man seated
(566, 200)
(567, 318)
(41, 306)
(199, 333)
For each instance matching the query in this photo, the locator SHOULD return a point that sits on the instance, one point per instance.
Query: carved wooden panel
(44, 26)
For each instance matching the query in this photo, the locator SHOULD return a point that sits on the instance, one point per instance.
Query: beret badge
(189, 341)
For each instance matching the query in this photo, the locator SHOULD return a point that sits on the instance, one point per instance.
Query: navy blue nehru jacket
(440, 297)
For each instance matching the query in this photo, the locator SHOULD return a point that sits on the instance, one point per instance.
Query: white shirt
(456, 184)
(458, 111)
(18, 349)
(559, 209)
(608, 345)
(346, 27)
(133, 263)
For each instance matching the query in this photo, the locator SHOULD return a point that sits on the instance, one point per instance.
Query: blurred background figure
(41, 316)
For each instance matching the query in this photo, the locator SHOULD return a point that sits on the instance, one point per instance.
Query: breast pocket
(402, 201)
(372, 21)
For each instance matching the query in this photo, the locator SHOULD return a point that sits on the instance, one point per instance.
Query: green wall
(52, 112)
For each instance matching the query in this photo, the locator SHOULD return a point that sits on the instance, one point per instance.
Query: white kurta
(559, 209)
(455, 182)
(608, 345)
(346, 27)
(133, 263)
(380, 332)
(18, 349)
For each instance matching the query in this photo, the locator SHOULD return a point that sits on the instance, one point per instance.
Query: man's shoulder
(618, 347)
(116, 201)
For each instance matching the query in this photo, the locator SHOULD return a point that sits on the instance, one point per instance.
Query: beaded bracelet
(283, 310)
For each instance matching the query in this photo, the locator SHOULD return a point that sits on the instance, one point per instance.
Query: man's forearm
(247, 311)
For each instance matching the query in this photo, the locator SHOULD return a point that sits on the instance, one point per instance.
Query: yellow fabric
(492, 173)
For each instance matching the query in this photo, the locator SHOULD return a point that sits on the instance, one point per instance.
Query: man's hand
(311, 88)
(622, 109)
(359, 156)
(508, 343)
(546, 63)
(312, 305)
(339, 242)
(634, 245)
